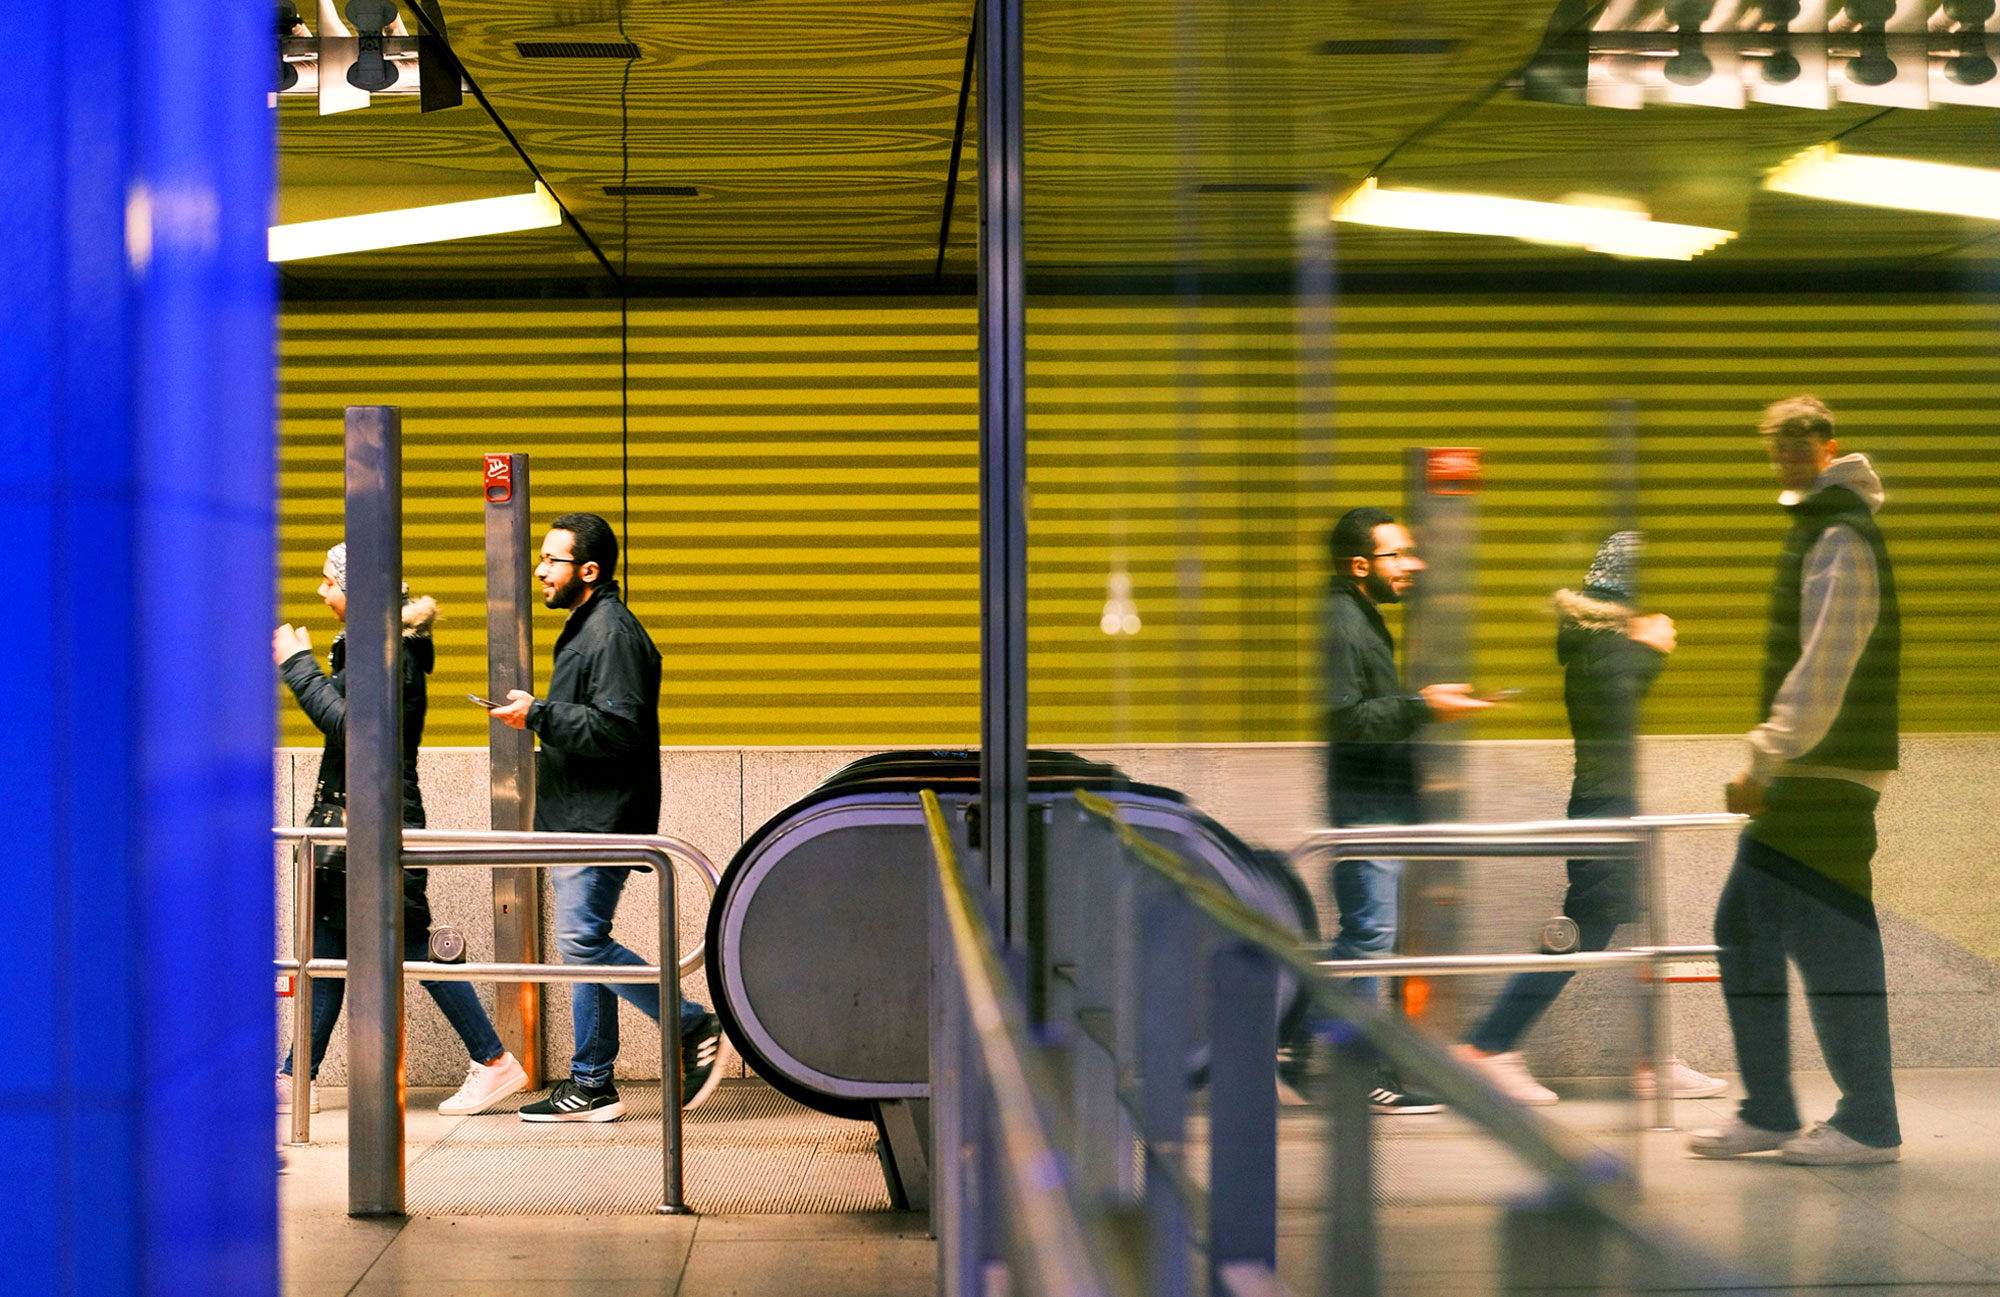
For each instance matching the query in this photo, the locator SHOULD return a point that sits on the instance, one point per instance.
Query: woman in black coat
(1610, 655)
(495, 1073)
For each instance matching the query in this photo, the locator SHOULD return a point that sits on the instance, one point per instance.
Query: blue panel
(136, 476)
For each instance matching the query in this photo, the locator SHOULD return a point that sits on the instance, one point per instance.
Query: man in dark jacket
(598, 771)
(1371, 766)
(1801, 885)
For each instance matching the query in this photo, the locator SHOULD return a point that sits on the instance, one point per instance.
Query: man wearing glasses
(1371, 767)
(598, 771)
(1802, 886)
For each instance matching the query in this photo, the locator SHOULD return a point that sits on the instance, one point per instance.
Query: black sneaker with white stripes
(572, 1102)
(701, 1049)
(1390, 1098)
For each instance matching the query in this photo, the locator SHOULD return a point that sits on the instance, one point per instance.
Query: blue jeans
(1773, 907)
(1365, 891)
(456, 1000)
(1528, 995)
(586, 899)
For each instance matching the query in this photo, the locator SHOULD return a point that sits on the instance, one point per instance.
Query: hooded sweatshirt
(1830, 709)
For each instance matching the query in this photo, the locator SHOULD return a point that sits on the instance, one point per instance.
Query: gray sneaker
(1825, 1146)
(1736, 1138)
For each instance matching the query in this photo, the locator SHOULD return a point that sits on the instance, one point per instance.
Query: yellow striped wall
(803, 524)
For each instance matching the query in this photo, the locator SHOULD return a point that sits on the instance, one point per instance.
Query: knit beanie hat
(336, 558)
(1614, 573)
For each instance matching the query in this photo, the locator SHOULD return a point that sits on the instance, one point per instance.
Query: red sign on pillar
(1452, 470)
(499, 479)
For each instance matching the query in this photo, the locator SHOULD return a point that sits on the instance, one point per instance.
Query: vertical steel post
(1441, 507)
(1003, 534)
(1348, 1266)
(374, 810)
(1242, 1111)
(1622, 462)
(673, 1198)
(1166, 978)
(510, 664)
(1652, 870)
(302, 993)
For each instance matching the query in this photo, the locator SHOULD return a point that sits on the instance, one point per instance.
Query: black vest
(1863, 736)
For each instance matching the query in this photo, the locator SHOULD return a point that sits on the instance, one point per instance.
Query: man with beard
(1371, 767)
(598, 771)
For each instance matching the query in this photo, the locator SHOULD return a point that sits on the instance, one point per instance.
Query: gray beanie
(1614, 573)
(337, 559)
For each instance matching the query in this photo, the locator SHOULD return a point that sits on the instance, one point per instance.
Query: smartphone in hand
(487, 703)
(1502, 695)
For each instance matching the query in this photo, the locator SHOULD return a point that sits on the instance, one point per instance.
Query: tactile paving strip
(749, 1151)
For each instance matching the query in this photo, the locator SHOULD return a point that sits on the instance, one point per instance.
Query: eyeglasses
(1396, 553)
(550, 558)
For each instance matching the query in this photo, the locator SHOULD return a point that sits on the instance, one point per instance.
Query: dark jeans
(1774, 907)
(586, 899)
(1528, 995)
(456, 1000)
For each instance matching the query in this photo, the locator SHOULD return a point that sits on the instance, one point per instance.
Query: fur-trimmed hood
(1585, 613)
(419, 615)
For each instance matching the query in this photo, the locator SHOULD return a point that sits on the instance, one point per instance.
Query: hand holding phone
(487, 703)
(1503, 695)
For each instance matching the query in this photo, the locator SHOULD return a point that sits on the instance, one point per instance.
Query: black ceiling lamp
(370, 71)
(1781, 66)
(288, 25)
(1973, 65)
(1873, 66)
(1690, 65)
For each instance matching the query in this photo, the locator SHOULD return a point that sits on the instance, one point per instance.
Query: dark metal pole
(374, 811)
(510, 664)
(1003, 532)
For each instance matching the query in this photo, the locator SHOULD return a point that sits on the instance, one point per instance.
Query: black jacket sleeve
(322, 700)
(610, 722)
(1358, 718)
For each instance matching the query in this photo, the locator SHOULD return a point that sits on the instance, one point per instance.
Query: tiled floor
(1928, 1226)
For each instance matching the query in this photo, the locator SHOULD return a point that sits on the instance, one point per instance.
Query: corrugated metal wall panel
(803, 531)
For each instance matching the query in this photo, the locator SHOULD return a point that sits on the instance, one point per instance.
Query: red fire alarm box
(1452, 470)
(499, 479)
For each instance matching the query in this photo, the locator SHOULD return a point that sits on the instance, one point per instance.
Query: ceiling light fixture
(408, 225)
(1615, 231)
(1826, 172)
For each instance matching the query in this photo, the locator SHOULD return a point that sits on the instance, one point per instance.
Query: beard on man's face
(566, 593)
(1378, 588)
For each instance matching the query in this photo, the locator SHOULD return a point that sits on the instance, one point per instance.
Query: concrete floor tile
(315, 1287)
(881, 1267)
(874, 1224)
(543, 1249)
(445, 1286)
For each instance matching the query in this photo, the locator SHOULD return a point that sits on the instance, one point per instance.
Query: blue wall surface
(136, 485)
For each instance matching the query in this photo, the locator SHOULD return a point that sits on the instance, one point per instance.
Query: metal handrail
(436, 848)
(1458, 965)
(430, 839)
(1052, 1237)
(1583, 1175)
(1324, 839)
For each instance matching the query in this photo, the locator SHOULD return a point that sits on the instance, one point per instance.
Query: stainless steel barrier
(1637, 837)
(435, 848)
(1003, 1192)
(1165, 925)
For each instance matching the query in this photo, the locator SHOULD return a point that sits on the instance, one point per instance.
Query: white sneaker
(485, 1085)
(1688, 1083)
(1736, 1138)
(1507, 1074)
(1825, 1146)
(285, 1094)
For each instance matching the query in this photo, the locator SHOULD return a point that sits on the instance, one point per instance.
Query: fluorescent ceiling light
(408, 225)
(1826, 172)
(1620, 232)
